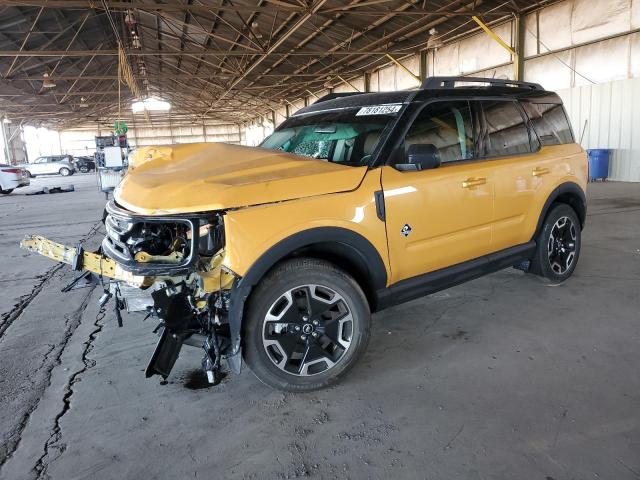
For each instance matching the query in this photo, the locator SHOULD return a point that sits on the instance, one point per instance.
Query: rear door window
(505, 130)
(549, 122)
(446, 125)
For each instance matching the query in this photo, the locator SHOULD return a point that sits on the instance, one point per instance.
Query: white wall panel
(530, 35)
(505, 71)
(404, 81)
(634, 59)
(387, 79)
(555, 26)
(445, 60)
(296, 105)
(635, 14)
(549, 72)
(603, 61)
(374, 83)
(599, 18)
(481, 51)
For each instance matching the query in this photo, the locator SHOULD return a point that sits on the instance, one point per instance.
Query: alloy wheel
(307, 330)
(561, 246)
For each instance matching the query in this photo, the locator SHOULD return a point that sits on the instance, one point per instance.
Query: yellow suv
(279, 254)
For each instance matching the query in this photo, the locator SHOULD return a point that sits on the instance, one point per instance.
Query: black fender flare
(359, 250)
(566, 189)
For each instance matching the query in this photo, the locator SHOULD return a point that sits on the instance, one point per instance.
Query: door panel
(439, 217)
(449, 223)
(508, 139)
(39, 166)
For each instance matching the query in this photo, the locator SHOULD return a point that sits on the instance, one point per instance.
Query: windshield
(348, 137)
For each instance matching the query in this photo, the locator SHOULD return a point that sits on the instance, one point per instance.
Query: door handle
(473, 182)
(539, 171)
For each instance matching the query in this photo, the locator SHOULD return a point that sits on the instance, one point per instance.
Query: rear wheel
(307, 324)
(84, 169)
(64, 171)
(558, 245)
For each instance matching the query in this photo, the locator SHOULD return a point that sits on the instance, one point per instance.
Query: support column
(519, 58)
(424, 66)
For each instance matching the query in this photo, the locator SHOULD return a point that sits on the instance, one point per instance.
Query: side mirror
(420, 157)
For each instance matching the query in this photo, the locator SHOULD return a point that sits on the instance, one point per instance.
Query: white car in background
(51, 165)
(12, 177)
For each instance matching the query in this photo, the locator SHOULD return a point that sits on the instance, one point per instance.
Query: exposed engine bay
(174, 264)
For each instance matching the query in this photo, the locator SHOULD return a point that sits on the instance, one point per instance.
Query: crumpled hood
(201, 177)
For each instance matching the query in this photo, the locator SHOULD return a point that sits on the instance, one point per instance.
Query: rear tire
(307, 324)
(84, 169)
(559, 244)
(65, 172)
(6, 192)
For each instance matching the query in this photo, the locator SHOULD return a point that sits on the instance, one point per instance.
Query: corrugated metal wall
(608, 116)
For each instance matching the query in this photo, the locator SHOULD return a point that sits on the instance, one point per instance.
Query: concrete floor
(500, 378)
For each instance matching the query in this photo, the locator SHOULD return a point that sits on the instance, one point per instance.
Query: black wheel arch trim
(566, 190)
(347, 243)
(359, 249)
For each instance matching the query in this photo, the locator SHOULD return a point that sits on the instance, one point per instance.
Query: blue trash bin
(598, 164)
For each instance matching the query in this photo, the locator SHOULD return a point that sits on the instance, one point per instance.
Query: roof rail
(331, 96)
(450, 82)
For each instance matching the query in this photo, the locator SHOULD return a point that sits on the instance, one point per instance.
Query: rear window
(506, 130)
(550, 122)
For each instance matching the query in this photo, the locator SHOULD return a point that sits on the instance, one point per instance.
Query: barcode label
(378, 110)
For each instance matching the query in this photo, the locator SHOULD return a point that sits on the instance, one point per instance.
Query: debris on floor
(66, 189)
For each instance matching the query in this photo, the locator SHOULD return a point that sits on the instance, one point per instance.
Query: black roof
(435, 87)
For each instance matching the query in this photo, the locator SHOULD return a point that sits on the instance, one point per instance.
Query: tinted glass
(348, 137)
(448, 127)
(550, 123)
(506, 130)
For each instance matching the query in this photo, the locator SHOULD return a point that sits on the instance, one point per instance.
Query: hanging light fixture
(255, 28)
(47, 82)
(150, 104)
(129, 19)
(83, 103)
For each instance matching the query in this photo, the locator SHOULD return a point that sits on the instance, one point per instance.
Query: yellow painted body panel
(452, 222)
(523, 184)
(449, 224)
(200, 177)
(252, 231)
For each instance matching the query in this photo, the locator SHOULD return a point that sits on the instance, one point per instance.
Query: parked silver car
(51, 164)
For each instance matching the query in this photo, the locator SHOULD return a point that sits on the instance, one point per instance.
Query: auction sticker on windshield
(378, 110)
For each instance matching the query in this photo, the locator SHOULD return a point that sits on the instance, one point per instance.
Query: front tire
(65, 172)
(559, 244)
(84, 169)
(307, 324)
(7, 191)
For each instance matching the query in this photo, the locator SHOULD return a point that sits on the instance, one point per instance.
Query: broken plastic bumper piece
(82, 260)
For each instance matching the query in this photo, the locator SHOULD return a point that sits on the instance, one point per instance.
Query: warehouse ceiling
(224, 60)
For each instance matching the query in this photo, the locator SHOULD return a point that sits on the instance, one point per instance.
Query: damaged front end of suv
(166, 237)
(176, 260)
(181, 258)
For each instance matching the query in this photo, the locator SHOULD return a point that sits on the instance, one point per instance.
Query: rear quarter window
(506, 129)
(550, 123)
